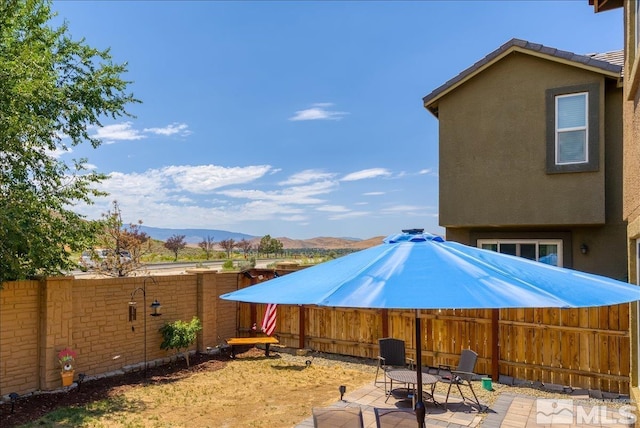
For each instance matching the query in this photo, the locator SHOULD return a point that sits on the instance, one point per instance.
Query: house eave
(604, 5)
(562, 57)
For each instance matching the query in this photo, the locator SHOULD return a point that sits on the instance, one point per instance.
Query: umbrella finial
(412, 231)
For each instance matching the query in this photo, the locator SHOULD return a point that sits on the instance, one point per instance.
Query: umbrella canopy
(414, 270)
(422, 271)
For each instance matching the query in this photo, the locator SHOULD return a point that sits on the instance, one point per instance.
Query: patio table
(410, 379)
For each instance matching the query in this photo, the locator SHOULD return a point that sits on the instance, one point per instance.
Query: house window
(573, 129)
(544, 251)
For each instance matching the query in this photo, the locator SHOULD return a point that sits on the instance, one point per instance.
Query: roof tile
(610, 62)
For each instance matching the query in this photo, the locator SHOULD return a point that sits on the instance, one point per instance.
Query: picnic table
(245, 341)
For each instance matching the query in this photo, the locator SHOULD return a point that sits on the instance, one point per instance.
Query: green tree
(269, 245)
(264, 247)
(276, 246)
(52, 89)
(180, 335)
(175, 243)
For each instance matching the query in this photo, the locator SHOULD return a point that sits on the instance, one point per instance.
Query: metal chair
(337, 417)
(394, 418)
(392, 356)
(461, 376)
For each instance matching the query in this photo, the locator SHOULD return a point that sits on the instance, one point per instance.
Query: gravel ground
(486, 397)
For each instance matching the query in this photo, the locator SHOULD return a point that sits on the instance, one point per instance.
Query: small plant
(227, 265)
(179, 335)
(66, 357)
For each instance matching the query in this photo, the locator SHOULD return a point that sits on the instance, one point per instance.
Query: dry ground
(215, 391)
(250, 391)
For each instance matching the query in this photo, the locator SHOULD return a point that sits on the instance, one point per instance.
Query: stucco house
(631, 164)
(530, 147)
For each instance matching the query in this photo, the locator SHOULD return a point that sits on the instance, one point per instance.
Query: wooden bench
(244, 341)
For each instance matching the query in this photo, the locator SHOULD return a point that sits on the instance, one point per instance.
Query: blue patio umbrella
(414, 270)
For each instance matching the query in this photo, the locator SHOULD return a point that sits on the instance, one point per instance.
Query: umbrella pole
(419, 409)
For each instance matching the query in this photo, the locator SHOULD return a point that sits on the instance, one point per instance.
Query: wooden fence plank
(577, 347)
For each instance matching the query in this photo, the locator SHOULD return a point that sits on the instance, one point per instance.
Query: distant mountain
(326, 243)
(194, 236)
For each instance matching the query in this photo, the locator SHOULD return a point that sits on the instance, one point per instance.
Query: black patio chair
(392, 356)
(461, 376)
(394, 418)
(334, 417)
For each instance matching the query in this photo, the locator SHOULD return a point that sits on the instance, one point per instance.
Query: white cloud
(352, 214)
(295, 218)
(205, 178)
(333, 208)
(404, 209)
(428, 171)
(307, 176)
(172, 129)
(366, 173)
(118, 132)
(294, 195)
(374, 193)
(125, 131)
(318, 111)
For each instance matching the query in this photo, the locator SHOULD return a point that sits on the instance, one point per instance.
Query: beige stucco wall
(493, 150)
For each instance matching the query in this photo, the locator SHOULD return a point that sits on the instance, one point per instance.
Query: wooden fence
(584, 348)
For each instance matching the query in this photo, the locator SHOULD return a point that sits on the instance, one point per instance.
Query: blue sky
(297, 119)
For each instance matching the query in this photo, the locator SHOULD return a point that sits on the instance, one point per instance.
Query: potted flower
(67, 357)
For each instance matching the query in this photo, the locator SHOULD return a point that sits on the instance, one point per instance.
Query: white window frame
(537, 242)
(584, 128)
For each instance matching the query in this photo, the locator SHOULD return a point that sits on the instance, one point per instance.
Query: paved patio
(509, 411)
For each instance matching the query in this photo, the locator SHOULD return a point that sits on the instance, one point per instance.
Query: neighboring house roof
(609, 64)
(614, 57)
(602, 5)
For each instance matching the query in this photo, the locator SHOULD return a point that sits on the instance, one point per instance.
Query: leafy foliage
(52, 90)
(180, 335)
(228, 265)
(269, 245)
(175, 243)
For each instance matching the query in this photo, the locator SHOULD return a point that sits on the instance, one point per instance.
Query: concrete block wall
(91, 316)
(19, 325)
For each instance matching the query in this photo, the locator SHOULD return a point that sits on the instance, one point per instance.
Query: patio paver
(509, 411)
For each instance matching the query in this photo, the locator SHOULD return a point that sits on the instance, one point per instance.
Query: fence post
(56, 315)
(495, 347)
(301, 322)
(384, 313)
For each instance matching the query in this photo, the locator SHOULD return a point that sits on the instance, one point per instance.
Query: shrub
(180, 335)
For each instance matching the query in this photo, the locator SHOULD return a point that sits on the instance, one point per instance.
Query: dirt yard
(249, 391)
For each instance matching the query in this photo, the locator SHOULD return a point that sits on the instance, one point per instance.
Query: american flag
(269, 320)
